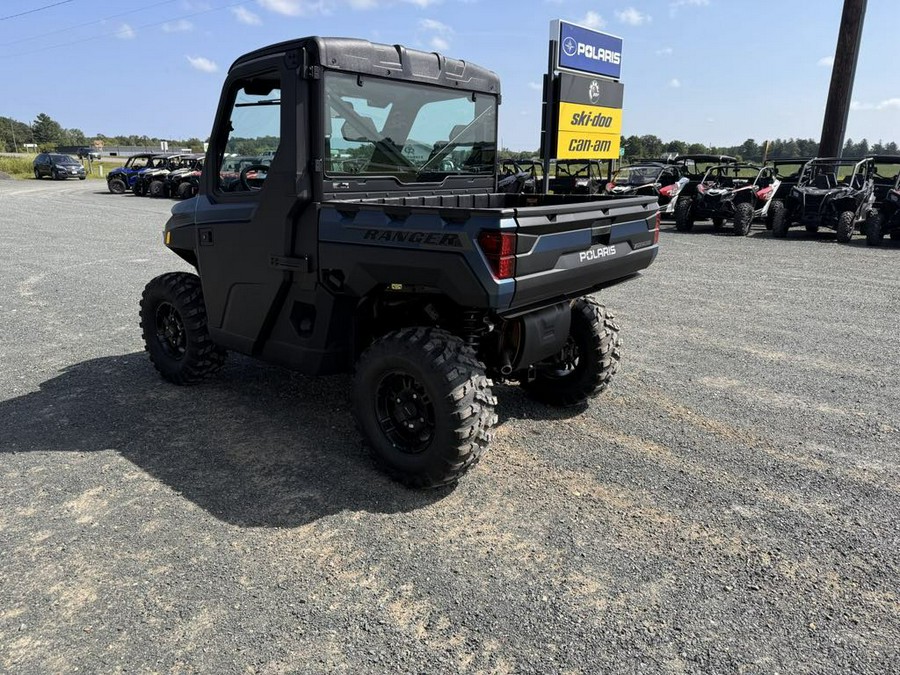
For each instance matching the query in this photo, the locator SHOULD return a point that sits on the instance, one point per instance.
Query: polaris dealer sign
(587, 51)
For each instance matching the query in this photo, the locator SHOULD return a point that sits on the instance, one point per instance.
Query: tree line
(650, 146)
(48, 134)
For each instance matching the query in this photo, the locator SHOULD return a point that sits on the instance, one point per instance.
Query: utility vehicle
(831, 192)
(410, 269)
(788, 173)
(738, 192)
(652, 178)
(578, 177)
(150, 181)
(884, 216)
(520, 175)
(184, 181)
(122, 178)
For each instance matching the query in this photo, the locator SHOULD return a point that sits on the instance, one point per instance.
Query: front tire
(874, 229)
(743, 218)
(116, 186)
(156, 189)
(174, 328)
(845, 225)
(183, 191)
(37, 174)
(586, 365)
(684, 220)
(778, 218)
(424, 406)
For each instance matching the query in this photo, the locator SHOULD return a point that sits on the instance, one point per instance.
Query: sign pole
(549, 112)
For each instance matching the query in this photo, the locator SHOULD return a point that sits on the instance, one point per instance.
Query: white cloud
(633, 17)
(889, 103)
(435, 26)
(180, 26)
(678, 4)
(667, 51)
(293, 7)
(203, 64)
(593, 20)
(245, 16)
(826, 61)
(439, 44)
(710, 120)
(125, 32)
(675, 83)
(423, 3)
(537, 86)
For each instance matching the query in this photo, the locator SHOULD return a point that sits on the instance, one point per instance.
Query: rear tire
(684, 221)
(156, 189)
(116, 186)
(586, 366)
(174, 328)
(845, 225)
(424, 406)
(37, 174)
(874, 229)
(743, 218)
(778, 219)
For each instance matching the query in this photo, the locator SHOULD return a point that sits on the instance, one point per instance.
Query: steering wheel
(245, 182)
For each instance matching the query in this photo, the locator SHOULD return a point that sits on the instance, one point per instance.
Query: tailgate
(573, 249)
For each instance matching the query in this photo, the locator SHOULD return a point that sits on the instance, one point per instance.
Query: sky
(709, 71)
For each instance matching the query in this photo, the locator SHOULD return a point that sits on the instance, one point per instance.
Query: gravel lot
(730, 506)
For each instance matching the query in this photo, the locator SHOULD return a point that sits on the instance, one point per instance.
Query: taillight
(656, 227)
(500, 250)
(667, 190)
(610, 186)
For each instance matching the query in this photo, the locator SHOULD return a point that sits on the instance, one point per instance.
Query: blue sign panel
(589, 51)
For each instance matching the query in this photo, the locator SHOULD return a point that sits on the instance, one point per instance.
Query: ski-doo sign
(587, 51)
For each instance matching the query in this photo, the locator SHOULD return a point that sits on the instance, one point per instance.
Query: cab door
(247, 208)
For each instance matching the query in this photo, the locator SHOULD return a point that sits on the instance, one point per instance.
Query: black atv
(737, 192)
(884, 216)
(831, 192)
(651, 178)
(578, 177)
(183, 181)
(151, 180)
(520, 175)
(788, 173)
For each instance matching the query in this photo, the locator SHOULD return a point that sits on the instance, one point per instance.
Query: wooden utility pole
(837, 108)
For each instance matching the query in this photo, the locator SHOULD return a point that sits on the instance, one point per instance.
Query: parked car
(831, 192)
(88, 153)
(58, 167)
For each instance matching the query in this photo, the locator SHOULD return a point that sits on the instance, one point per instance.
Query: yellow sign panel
(579, 145)
(588, 132)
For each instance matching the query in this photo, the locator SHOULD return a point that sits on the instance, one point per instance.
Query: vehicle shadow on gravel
(256, 446)
(514, 404)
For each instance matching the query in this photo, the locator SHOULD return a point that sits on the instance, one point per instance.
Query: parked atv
(184, 181)
(654, 179)
(577, 177)
(884, 216)
(121, 179)
(788, 173)
(422, 281)
(737, 192)
(519, 176)
(831, 192)
(152, 180)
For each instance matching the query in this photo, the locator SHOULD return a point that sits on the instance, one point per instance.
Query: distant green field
(21, 166)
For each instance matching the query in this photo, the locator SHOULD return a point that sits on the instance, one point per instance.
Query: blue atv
(123, 178)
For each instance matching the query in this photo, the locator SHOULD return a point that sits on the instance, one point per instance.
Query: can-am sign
(587, 51)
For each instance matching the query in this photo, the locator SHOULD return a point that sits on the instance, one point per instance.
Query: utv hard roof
(886, 159)
(391, 61)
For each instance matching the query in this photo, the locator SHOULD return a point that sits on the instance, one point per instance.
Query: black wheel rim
(170, 333)
(405, 412)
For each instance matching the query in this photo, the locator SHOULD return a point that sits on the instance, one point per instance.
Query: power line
(87, 23)
(32, 11)
(119, 31)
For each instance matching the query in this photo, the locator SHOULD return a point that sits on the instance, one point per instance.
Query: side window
(139, 162)
(254, 135)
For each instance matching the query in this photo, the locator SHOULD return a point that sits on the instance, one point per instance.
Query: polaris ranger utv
(736, 192)
(831, 192)
(408, 268)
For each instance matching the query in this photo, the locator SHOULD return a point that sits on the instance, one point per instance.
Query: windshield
(63, 159)
(412, 131)
(636, 175)
(727, 176)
